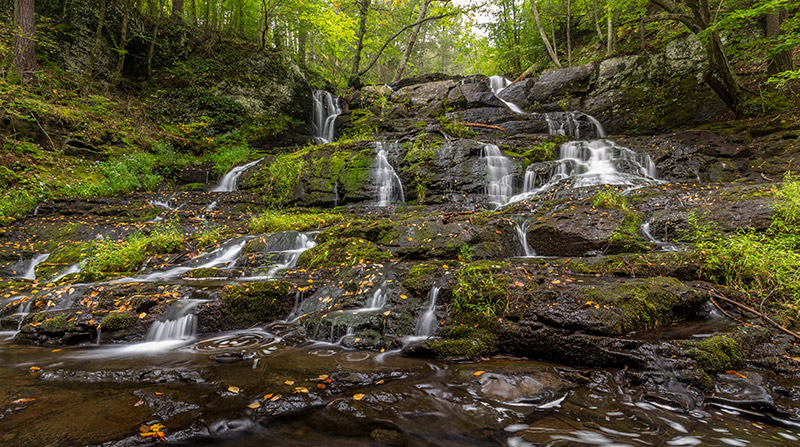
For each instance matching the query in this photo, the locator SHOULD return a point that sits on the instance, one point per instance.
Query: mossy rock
(118, 321)
(718, 353)
(252, 303)
(421, 277)
(212, 273)
(343, 252)
(460, 342)
(480, 288)
(60, 259)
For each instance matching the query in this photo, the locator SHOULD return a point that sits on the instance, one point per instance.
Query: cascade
(569, 123)
(378, 298)
(497, 84)
(665, 246)
(325, 110)
(286, 258)
(228, 182)
(426, 325)
(500, 175)
(386, 177)
(74, 268)
(178, 322)
(521, 224)
(584, 164)
(30, 269)
(162, 204)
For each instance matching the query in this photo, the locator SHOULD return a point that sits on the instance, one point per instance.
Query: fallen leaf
(137, 404)
(142, 315)
(301, 389)
(23, 400)
(267, 396)
(358, 396)
(254, 405)
(736, 374)
(275, 397)
(233, 389)
(380, 382)
(34, 368)
(322, 377)
(478, 373)
(289, 382)
(321, 386)
(159, 393)
(386, 314)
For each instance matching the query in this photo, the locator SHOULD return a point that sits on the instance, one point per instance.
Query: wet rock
(561, 82)
(483, 115)
(388, 437)
(530, 388)
(744, 390)
(259, 302)
(429, 97)
(519, 92)
(164, 407)
(472, 95)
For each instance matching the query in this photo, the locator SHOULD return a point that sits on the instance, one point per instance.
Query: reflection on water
(403, 401)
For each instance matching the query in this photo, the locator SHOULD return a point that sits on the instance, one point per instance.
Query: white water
(224, 256)
(287, 259)
(162, 204)
(325, 110)
(665, 246)
(228, 182)
(177, 323)
(426, 325)
(591, 163)
(568, 123)
(385, 176)
(74, 268)
(377, 300)
(30, 268)
(497, 84)
(521, 224)
(500, 175)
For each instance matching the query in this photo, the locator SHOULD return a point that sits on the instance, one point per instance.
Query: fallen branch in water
(716, 294)
(487, 126)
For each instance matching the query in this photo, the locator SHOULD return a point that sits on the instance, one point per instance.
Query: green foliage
(210, 235)
(273, 221)
(279, 179)
(757, 264)
(258, 302)
(465, 252)
(608, 198)
(109, 257)
(228, 157)
(480, 288)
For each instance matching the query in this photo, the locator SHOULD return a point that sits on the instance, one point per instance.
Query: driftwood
(487, 126)
(716, 294)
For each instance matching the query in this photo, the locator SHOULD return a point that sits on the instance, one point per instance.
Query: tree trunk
(611, 39)
(152, 50)
(569, 43)
(301, 45)
(597, 24)
(721, 77)
(177, 11)
(24, 45)
(781, 61)
(194, 12)
(412, 39)
(363, 10)
(123, 41)
(552, 28)
(550, 51)
(101, 20)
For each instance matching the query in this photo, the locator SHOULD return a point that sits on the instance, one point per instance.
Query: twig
(488, 126)
(715, 294)
(727, 314)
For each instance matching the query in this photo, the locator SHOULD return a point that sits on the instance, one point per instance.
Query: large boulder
(519, 93)
(428, 97)
(556, 84)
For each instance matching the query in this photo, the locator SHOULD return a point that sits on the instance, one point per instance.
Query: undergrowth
(759, 265)
(272, 221)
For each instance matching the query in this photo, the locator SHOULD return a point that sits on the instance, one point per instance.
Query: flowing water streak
(497, 84)
(665, 246)
(500, 176)
(287, 259)
(521, 224)
(378, 299)
(426, 325)
(178, 322)
(325, 111)
(30, 269)
(228, 182)
(568, 123)
(74, 268)
(386, 177)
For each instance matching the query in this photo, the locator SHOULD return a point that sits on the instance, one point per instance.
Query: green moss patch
(259, 302)
(343, 252)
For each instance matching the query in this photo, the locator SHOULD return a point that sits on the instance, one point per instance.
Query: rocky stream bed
(461, 291)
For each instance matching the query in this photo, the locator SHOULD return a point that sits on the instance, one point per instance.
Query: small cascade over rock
(378, 298)
(497, 84)
(228, 182)
(385, 176)
(30, 267)
(574, 124)
(499, 170)
(178, 322)
(664, 246)
(325, 111)
(521, 225)
(285, 250)
(426, 325)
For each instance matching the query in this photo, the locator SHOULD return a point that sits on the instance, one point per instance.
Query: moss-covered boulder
(343, 252)
(252, 303)
(57, 328)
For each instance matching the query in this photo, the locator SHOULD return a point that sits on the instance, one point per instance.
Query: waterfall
(584, 164)
(162, 204)
(178, 322)
(500, 176)
(521, 224)
(497, 84)
(378, 298)
(325, 110)
(664, 246)
(228, 182)
(569, 123)
(74, 268)
(287, 258)
(426, 325)
(30, 269)
(386, 177)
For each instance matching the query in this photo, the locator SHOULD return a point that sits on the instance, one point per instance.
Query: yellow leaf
(159, 393)
(386, 314)
(267, 396)
(478, 373)
(23, 400)
(358, 396)
(289, 382)
(233, 389)
(380, 382)
(322, 377)
(403, 297)
(301, 389)
(142, 315)
(254, 405)
(275, 397)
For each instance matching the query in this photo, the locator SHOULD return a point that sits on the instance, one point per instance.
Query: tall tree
(782, 59)
(363, 10)
(24, 46)
(550, 50)
(123, 41)
(98, 38)
(177, 11)
(412, 39)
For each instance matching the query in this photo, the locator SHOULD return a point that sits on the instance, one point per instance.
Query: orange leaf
(478, 373)
(23, 400)
(358, 396)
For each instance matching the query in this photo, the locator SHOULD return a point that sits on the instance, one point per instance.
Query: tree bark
(412, 39)
(193, 9)
(550, 51)
(24, 45)
(363, 10)
(151, 51)
(569, 43)
(177, 11)
(611, 38)
(101, 20)
(123, 41)
(301, 45)
(780, 61)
